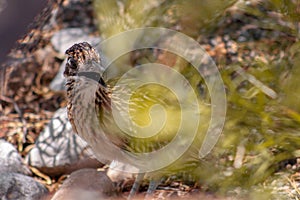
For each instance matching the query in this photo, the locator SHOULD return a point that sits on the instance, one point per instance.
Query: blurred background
(15, 17)
(254, 43)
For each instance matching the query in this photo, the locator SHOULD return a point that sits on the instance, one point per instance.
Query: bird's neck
(88, 89)
(87, 96)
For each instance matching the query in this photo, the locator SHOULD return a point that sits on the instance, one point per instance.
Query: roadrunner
(90, 111)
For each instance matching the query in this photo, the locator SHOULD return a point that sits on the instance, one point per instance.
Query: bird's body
(84, 107)
(90, 111)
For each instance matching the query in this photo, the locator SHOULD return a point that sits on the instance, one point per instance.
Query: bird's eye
(72, 63)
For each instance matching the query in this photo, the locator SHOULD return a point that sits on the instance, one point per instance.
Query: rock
(59, 81)
(119, 171)
(58, 150)
(65, 38)
(10, 159)
(18, 186)
(86, 184)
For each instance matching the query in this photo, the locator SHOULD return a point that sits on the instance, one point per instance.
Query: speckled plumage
(88, 97)
(90, 102)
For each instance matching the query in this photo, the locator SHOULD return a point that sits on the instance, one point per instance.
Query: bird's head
(83, 60)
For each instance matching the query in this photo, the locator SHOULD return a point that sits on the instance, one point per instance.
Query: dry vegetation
(255, 44)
